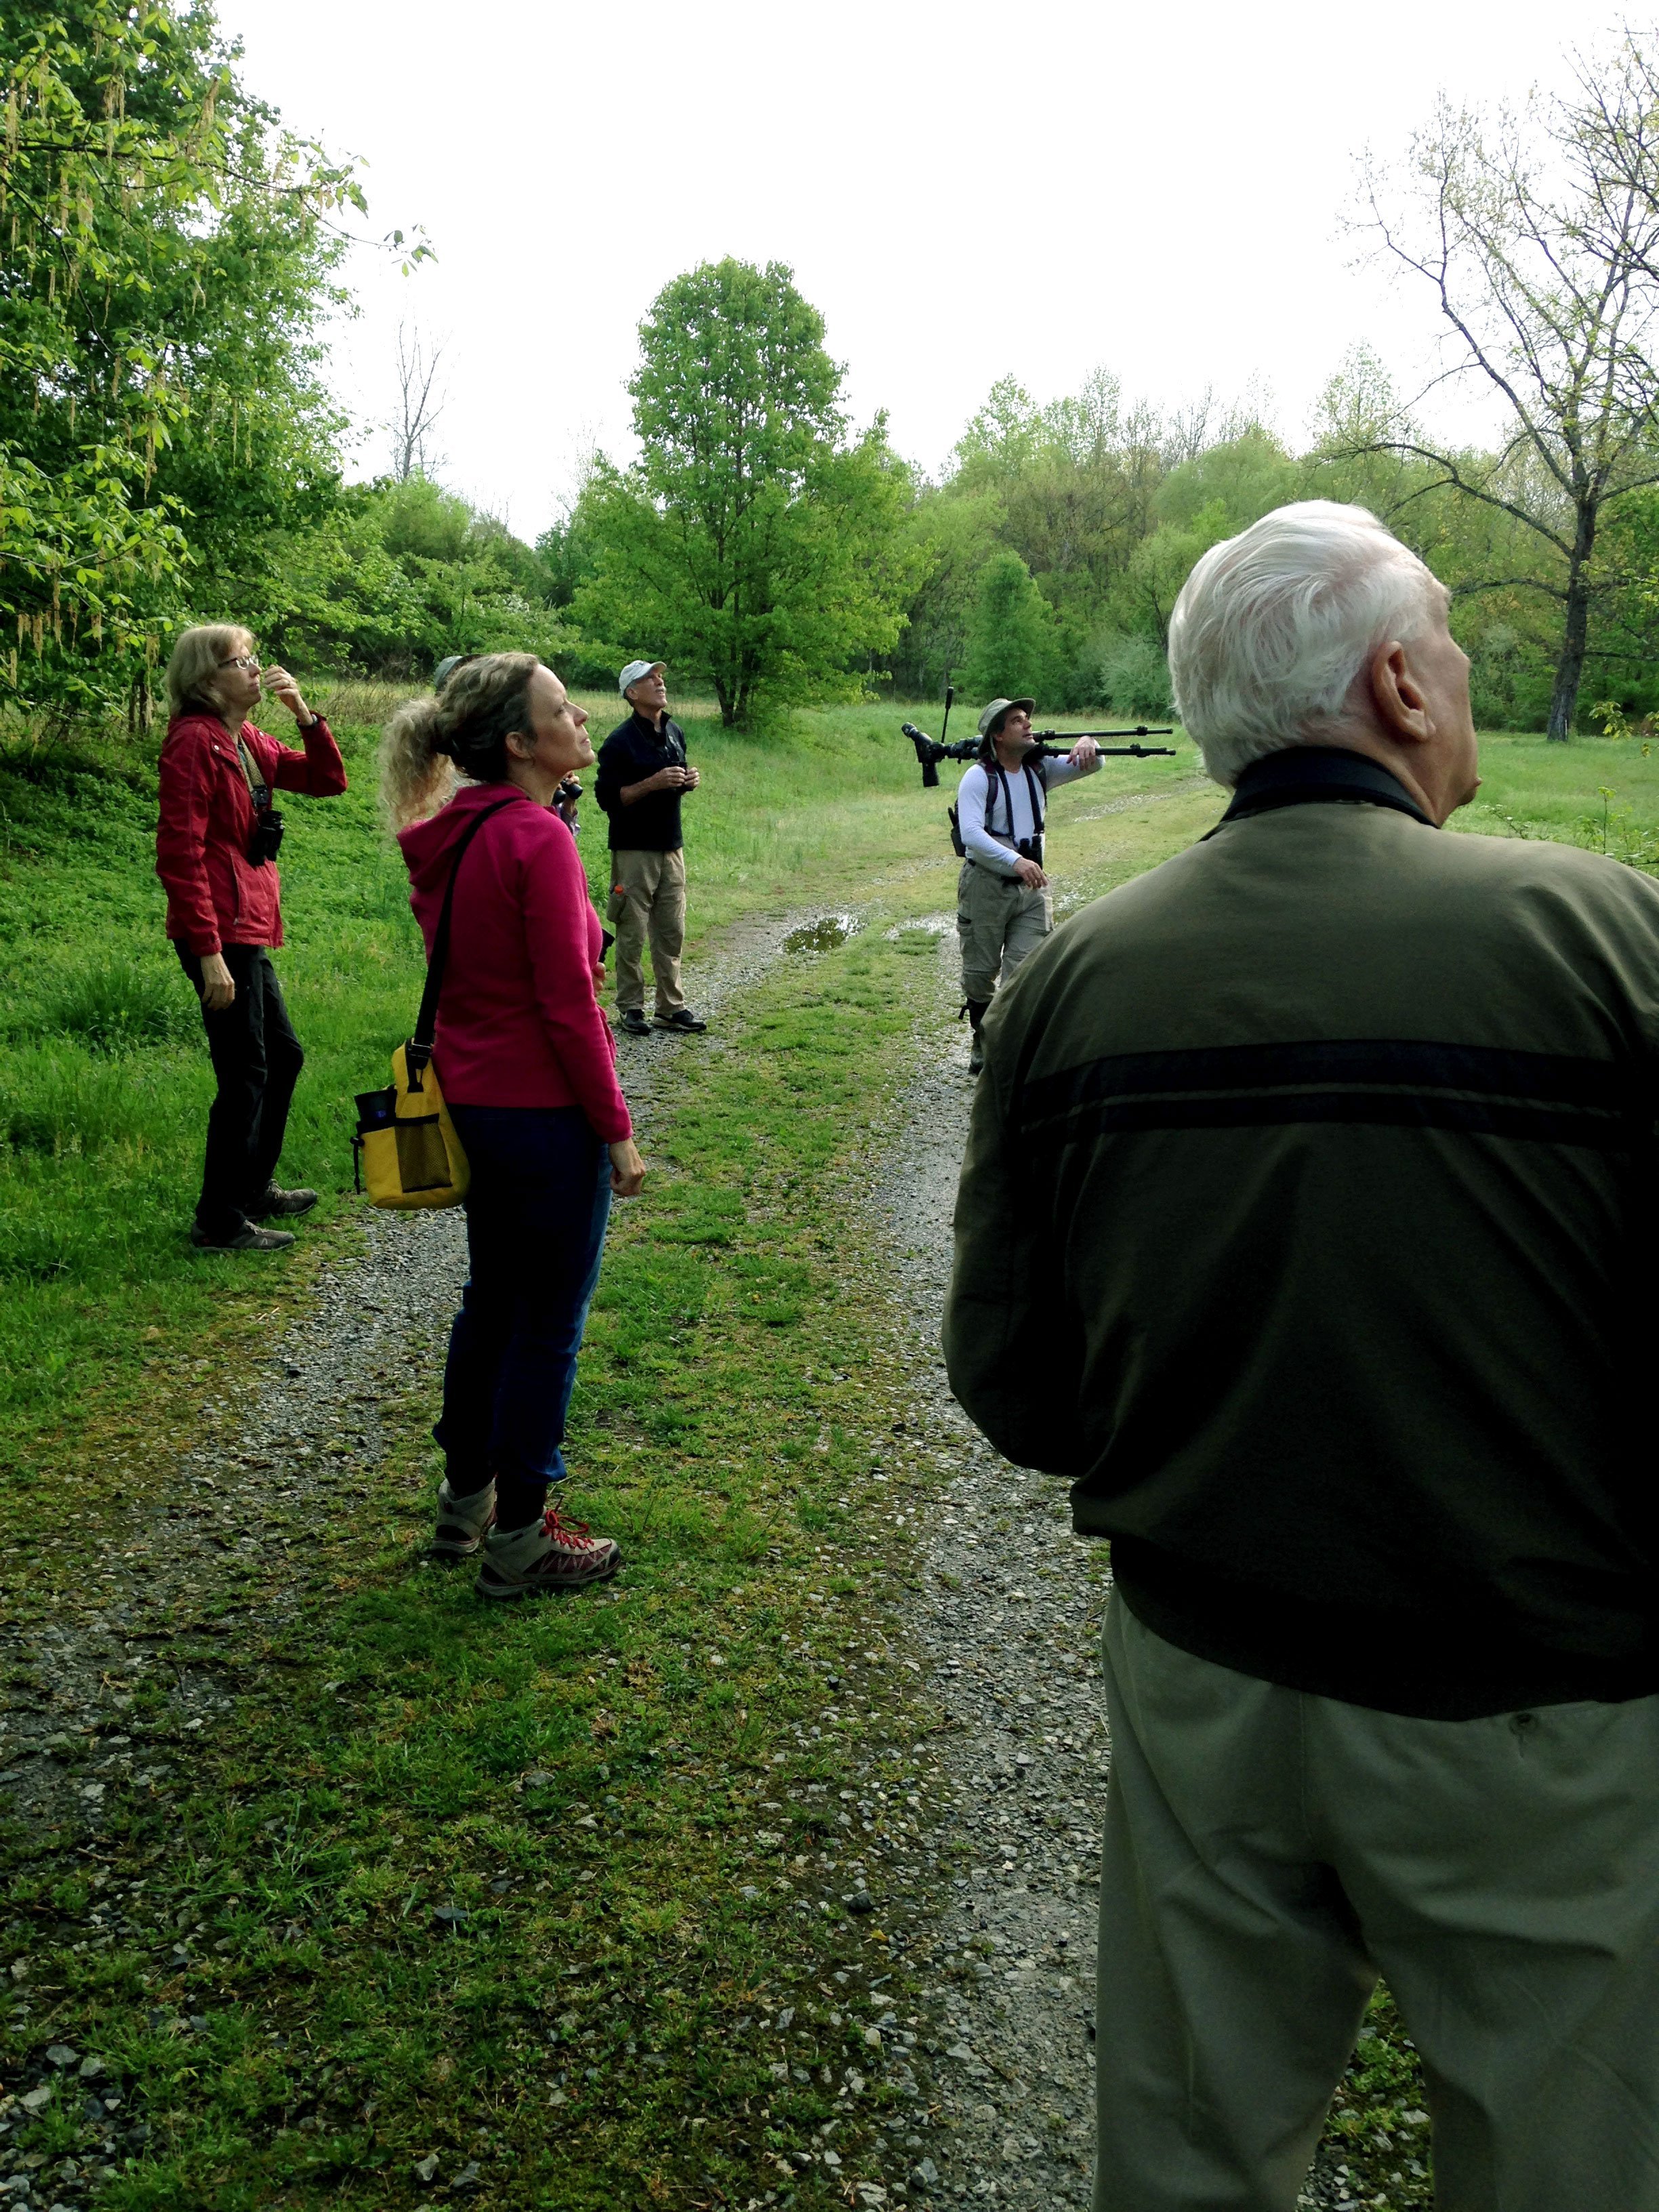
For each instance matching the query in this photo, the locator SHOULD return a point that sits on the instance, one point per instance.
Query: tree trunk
(140, 711)
(1575, 637)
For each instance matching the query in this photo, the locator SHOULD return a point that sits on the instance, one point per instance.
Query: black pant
(257, 1058)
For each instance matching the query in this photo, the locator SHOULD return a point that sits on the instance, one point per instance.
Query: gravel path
(299, 1437)
(1009, 1626)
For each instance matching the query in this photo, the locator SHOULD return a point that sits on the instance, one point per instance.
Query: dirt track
(1007, 1626)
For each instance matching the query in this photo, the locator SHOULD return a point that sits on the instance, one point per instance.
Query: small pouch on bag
(405, 1151)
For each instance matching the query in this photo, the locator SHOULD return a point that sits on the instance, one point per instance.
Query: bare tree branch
(1539, 233)
(420, 402)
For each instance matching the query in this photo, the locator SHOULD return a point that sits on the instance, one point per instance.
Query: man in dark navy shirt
(643, 775)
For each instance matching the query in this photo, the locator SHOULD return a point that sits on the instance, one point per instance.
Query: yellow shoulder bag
(405, 1150)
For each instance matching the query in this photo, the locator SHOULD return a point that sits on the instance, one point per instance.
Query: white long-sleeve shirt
(994, 846)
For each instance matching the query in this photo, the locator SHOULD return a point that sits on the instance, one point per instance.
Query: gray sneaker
(463, 1522)
(633, 1022)
(277, 1201)
(248, 1239)
(551, 1554)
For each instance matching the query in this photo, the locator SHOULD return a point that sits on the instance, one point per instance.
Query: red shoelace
(572, 1535)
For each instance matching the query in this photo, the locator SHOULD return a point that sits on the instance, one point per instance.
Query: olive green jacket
(1307, 1226)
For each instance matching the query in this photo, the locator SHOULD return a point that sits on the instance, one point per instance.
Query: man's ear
(1397, 697)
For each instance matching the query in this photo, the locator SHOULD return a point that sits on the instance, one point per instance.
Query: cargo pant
(647, 899)
(1000, 921)
(1268, 1852)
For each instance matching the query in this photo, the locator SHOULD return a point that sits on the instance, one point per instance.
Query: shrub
(1128, 670)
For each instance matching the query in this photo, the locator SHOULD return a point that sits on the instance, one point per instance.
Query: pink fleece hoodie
(518, 1024)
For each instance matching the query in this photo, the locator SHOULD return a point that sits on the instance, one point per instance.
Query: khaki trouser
(647, 898)
(1267, 1852)
(1000, 922)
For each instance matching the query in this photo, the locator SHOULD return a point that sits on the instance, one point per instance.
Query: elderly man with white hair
(1307, 1227)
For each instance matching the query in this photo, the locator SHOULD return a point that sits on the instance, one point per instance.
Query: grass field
(375, 1768)
(103, 1082)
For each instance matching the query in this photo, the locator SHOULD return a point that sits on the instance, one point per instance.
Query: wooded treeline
(170, 255)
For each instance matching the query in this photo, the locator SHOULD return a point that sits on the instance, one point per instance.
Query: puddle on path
(822, 935)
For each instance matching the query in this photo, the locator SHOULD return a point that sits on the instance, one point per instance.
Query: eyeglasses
(248, 660)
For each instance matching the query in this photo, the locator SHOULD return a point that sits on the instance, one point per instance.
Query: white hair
(1273, 626)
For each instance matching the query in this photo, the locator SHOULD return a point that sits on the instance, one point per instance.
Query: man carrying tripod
(1003, 910)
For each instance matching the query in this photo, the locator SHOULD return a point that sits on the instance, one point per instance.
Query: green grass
(1596, 792)
(402, 1751)
(410, 1751)
(104, 1080)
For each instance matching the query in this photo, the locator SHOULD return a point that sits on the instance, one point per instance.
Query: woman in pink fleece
(528, 1070)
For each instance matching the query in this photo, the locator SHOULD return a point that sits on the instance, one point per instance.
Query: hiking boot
(277, 1202)
(246, 1239)
(681, 1018)
(463, 1522)
(976, 1009)
(551, 1554)
(633, 1022)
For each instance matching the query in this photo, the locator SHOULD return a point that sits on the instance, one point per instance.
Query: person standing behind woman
(643, 776)
(214, 852)
(528, 1070)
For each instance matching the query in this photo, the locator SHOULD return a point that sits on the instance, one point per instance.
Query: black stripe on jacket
(1401, 1082)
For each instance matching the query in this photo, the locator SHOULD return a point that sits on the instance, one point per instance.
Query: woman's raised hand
(627, 1168)
(279, 684)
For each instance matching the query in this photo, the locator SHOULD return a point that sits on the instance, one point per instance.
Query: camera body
(265, 840)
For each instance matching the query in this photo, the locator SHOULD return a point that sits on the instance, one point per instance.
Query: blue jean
(536, 1212)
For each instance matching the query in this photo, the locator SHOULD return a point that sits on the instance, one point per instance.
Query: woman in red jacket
(528, 1069)
(215, 851)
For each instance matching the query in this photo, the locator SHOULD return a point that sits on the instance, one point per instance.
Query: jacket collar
(1303, 775)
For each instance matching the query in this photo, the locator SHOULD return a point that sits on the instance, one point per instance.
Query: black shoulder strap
(1035, 786)
(996, 779)
(418, 1050)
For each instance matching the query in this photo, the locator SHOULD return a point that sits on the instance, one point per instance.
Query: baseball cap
(446, 669)
(998, 708)
(635, 670)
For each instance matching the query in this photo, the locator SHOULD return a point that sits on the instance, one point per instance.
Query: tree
(399, 575)
(755, 544)
(953, 539)
(165, 257)
(1540, 235)
(418, 409)
(1014, 647)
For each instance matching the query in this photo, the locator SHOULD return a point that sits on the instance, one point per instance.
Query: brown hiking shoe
(551, 1554)
(463, 1522)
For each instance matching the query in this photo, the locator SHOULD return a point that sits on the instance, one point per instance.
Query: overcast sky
(1041, 188)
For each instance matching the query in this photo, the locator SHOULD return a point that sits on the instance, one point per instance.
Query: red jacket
(215, 896)
(519, 1020)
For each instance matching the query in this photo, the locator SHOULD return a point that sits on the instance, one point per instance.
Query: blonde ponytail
(466, 727)
(416, 777)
